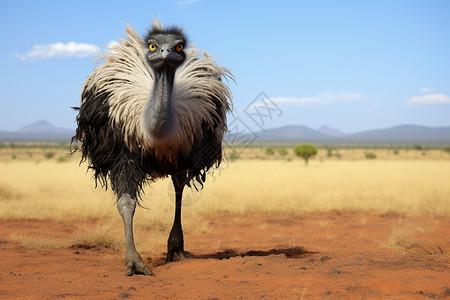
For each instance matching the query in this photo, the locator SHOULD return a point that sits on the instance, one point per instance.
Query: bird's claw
(135, 265)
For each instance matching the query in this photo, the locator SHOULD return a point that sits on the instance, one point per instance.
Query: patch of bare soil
(317, 256)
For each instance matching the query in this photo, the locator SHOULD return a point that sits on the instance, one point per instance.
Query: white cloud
(321, 99)
(426, 89)
(59, 50)
(113, 43)
(429, 99)
(184, 3)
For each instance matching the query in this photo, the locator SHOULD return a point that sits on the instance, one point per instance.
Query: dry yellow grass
(101, 235)
(51, 190)
(404, 237)
(405, 187)
(27, 242)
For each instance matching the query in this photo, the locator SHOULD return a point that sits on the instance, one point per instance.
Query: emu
(152, 109)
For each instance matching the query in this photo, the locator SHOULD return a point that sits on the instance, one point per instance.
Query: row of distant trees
(306, 151)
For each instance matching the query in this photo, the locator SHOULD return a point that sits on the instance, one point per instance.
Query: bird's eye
(152, 47)
(179, 47)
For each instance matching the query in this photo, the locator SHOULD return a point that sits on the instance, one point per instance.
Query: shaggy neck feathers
(137, 96)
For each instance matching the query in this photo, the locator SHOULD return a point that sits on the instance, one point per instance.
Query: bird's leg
(133, 261)
(175, 243)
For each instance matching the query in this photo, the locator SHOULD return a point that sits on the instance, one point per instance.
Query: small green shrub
(49, 155)
(446, 149)
(269, 151)
(329, 152)
(417, 147)
(282, 151)
(370, 155)
(233, 156)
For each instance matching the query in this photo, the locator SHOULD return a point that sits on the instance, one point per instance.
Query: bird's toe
(182, 255)
(138, 269)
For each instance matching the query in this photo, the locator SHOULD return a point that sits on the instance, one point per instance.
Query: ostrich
(152, 109)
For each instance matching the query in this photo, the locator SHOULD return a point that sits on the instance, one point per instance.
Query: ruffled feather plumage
(119, 89)
(128, 80)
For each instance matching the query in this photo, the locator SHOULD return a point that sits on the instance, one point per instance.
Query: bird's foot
(171, 253)
(175, 244)
(135, 265)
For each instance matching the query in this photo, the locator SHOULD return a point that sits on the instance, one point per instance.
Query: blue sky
(353, 65)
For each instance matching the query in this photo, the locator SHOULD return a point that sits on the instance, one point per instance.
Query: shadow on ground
(293, 252)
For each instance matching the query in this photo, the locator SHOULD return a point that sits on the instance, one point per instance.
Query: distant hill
(42, 127)
(290, 133)
(402, 134)
(38, 131)
(325, 129)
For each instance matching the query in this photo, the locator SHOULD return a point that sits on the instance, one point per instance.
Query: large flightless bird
(154, 108)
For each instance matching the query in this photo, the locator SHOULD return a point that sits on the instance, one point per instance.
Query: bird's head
(165, 48)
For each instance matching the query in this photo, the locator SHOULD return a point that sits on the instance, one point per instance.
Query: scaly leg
(175, 244)
(133, 261)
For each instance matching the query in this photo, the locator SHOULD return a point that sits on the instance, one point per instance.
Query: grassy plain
(36, 185)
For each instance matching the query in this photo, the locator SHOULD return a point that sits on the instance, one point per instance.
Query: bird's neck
(163, 86)
(158, 117)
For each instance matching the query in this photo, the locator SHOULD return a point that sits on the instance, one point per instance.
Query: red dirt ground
(317, 256)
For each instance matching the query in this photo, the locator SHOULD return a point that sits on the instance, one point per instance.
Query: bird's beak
(165, 50)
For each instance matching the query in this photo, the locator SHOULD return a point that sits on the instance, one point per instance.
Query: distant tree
(329, 151)
(305, 151)
(417, 147)
(446, 149)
